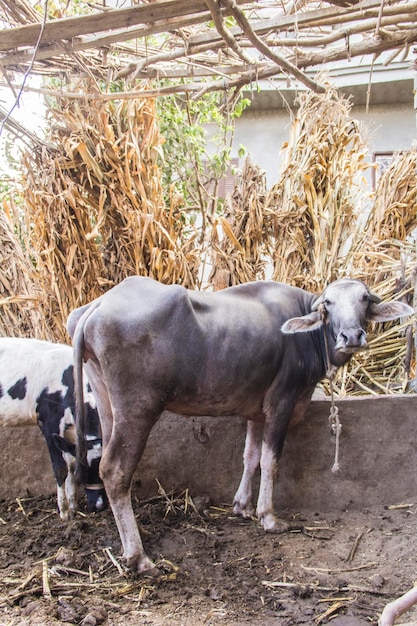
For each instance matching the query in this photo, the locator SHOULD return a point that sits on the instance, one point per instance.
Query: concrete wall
(378, 457)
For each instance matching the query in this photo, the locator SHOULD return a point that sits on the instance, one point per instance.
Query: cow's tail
(80, 408)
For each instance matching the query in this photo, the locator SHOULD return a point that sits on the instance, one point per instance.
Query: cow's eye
(327, 302)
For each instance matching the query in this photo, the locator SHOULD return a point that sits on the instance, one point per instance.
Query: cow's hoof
(152, 572)
(247, 512)
(67, 515)
(143, 567)
(272, 524)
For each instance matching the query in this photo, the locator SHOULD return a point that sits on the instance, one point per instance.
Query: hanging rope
(336, 428)
(335, 425)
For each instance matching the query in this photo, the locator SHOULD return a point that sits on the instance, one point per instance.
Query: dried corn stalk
(317, 199)
(395, 206)
(19, 298)
(239, 256)
(387, 262)
(96, 207)
(388, 248)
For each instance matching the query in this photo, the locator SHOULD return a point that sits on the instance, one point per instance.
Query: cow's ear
(63, 445)
(386, 311)
(303, 324)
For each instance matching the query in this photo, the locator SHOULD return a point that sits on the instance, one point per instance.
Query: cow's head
(90, 479)
(344, 308)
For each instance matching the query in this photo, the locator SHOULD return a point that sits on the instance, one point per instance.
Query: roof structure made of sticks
(199, 45)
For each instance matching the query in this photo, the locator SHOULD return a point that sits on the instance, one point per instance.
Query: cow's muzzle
(351, 340)
(96, 498)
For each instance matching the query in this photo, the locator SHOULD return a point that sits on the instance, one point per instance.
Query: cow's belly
(217, 402)
(215, 410)
(221, 383)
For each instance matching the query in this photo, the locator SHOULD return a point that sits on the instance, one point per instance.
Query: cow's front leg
(265, 507)
(63, 507)
(71, 489)
(242, 502)
(277, 417)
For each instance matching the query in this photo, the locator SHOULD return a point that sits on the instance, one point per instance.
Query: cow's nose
(100, 504)
(96, 500)
(351, 339)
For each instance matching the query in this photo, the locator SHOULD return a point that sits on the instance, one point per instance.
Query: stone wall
(378, 460)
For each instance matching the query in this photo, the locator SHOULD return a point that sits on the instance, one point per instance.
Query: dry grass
(20, 297)
(96, 209)
(240, 237)
(317, 200)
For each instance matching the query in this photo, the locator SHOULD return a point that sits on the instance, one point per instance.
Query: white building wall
(262, 132)
(392, 127)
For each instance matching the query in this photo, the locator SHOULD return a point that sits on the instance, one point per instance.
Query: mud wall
(378, 460)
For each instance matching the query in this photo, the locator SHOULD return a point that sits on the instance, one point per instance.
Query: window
(383, 161)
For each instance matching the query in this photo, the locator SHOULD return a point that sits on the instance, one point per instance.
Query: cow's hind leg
(118, 464)
(242, 502)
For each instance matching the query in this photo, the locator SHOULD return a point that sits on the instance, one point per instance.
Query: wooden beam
(387, 40)
(282, 63)
(89, 42)
(310, 19)
(67, 28)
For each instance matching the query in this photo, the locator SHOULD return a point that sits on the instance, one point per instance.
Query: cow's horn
(374, 298)
(317, 303)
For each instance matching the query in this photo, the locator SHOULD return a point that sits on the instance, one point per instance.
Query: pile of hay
(96, 209)
(239, 252)
(20, 299)
(318, 198)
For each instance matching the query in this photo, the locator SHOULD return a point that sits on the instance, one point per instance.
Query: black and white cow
(37, 386)
(256, 350)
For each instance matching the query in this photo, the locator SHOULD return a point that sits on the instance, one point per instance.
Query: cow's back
(140, 302)
(279, 300)
(136, 311)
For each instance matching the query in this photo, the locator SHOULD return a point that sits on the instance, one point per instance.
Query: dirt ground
(339, 568)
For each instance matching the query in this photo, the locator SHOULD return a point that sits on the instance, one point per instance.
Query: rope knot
(331, 372)
(334, 415)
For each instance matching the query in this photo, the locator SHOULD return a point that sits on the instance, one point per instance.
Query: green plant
(197, 150)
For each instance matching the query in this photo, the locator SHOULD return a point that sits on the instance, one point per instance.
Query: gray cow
(256, 350)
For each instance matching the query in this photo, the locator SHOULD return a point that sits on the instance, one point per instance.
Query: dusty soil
(339, 568)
